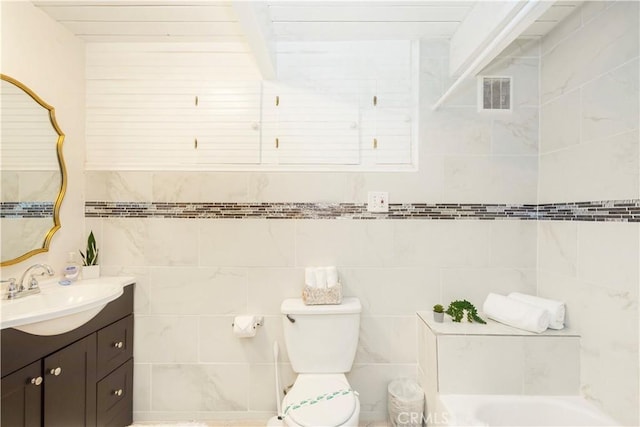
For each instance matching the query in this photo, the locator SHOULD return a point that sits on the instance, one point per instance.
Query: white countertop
(449, 327)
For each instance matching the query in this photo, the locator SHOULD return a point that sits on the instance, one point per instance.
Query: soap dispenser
(72, 268)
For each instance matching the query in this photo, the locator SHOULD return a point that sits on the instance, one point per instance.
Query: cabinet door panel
(114, 396)
(22, 399)
(70, 385)
(303, 125)
(115, 345)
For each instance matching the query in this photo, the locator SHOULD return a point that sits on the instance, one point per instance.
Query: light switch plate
(378, 201)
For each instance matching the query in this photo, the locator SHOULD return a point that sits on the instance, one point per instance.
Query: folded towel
(516, 313)
(556, 309)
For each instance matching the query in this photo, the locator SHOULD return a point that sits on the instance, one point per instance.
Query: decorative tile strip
(607, 210)
(614, 210)
(26, 209)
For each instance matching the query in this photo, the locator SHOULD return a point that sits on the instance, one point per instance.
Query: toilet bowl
(321, 342)
(321, 400)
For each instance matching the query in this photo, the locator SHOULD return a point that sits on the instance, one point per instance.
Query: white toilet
(321, 342)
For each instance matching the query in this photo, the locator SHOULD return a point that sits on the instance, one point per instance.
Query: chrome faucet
(19, 290)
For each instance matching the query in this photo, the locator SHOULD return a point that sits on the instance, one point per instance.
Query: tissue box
(317, 296)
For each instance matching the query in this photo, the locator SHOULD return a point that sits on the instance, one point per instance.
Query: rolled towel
(321, 277)
(310, 277)
(332, 276)
(516, 313)
(556, 309)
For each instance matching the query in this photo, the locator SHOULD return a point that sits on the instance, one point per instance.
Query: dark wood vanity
(83, 377)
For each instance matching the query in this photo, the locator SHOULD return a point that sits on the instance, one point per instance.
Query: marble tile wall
(195, 275)
(590, 150)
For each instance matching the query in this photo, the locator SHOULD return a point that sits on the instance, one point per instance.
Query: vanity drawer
(115, 397)
(115, 345)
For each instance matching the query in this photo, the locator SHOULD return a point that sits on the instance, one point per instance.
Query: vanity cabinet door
(22, 397)
(115, 346)
(114, 396)
(70, 385)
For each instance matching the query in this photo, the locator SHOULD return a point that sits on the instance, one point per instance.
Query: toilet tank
(321, 338)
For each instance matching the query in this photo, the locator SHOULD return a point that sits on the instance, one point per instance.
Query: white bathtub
(520, 410)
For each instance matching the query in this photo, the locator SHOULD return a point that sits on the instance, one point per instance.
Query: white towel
(321, 277)
(556, 309)
(332, 276)
(310, 277)
(516, 313)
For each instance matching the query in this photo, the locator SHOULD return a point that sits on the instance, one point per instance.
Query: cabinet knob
(57, 371)
(117, 392)
(118, 344)
(36, 381)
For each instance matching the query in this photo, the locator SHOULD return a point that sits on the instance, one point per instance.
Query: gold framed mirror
(34, 176)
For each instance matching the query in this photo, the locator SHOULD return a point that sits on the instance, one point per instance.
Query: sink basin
(58, 309)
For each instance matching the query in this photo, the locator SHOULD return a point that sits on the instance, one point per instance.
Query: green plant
(91, 256)
(438, 308)
(456, 311)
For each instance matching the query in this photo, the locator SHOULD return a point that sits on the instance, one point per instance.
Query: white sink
(58, 309)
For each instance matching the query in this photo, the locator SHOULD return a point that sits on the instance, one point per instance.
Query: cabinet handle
(196, 101)
(118, 344)
(57, 371)
(36, 381)
(117, 392)
(195, 143)
(277, 101)
(277, 143)
(375, 143)
(375, 100)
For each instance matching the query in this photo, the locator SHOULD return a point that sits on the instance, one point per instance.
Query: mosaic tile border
(607, 210)
(611, 210)
(26, 209)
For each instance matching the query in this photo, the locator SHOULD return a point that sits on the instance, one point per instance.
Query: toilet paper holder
(257, 321)
(246, 326)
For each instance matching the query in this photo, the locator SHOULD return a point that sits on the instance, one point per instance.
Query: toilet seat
(319, 400)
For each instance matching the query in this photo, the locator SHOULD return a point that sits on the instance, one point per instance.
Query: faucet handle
(12, 289)
(33, 283)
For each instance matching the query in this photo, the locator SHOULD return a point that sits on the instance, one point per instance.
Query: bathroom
(572, 136)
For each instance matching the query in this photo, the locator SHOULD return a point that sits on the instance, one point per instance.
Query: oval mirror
(34, 178)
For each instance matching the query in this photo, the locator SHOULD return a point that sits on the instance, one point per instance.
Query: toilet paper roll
(245, 326)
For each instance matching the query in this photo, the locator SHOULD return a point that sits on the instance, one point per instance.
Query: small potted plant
(90, 267)
(438, 313)
(463, 310)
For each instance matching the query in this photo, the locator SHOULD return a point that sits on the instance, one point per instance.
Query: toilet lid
(320, 402)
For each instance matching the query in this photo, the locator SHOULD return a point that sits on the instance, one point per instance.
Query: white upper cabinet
(228, 127)
(171, 106)
(348, 103)
(335, 105)
(302, 125)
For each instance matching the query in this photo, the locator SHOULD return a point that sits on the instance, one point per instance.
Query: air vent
(494, 93)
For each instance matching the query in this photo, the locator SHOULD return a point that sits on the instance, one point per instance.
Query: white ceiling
(208, 21)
